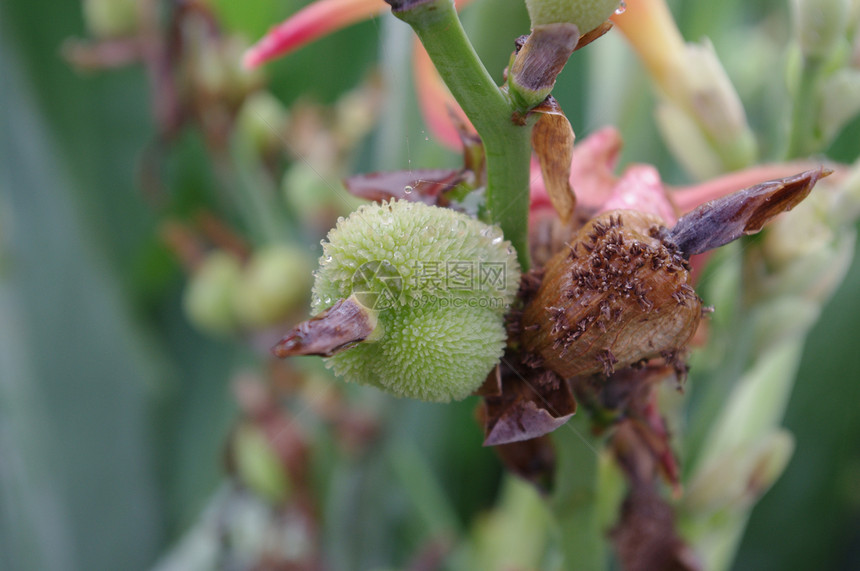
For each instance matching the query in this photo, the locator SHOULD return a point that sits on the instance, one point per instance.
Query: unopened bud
(740, 476)
(275, 281)
(261, 122)
(111, 18)
(701, 89)
(819, 25)
(208, 299)
(840, 101)
(215, 65)
(257, 464)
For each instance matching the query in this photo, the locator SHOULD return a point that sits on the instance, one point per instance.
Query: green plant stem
(575, 502)
(507, 145)
(256, 195)
(803, 139)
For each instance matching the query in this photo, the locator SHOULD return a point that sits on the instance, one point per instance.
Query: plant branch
(803, 138)
(575, 501)
(506, 143)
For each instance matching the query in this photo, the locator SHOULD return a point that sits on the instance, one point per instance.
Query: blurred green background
(114, 410)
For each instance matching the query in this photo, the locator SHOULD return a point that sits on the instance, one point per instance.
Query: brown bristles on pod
(618, 294)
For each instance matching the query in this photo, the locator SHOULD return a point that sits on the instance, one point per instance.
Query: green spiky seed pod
(440, 284)
(586, 14)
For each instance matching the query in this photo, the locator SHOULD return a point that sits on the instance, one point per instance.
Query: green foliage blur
(115, 411)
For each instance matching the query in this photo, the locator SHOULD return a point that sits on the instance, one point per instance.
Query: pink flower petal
(311, 23)
(436, 102)
(687, 198)
(592, 168)
(640, 188)
(649, 27)
(591, 171)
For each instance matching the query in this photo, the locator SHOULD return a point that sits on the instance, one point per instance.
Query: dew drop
(407, 189)
(497, 240)
(621, 7)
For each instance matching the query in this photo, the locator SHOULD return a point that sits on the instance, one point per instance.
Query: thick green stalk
(507, 145)
(803, 138)
(576, 501)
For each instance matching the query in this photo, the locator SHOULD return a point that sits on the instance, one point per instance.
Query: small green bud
(111, 18)
(819, 25)
(585, 14)
(215, 67)
(737, 478)
(440, 284)
(840, 103)
(258, 465)
(708, 131)
(261, 122)
(275, 281)
(689, 145)
(208, 299)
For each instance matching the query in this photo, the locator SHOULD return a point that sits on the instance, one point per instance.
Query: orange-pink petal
(649, 27)
(436, 102)
(640, 188)
(689, 197)
(311, 23)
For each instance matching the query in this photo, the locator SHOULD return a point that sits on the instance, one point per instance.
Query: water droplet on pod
(407, 189)
(621, 7)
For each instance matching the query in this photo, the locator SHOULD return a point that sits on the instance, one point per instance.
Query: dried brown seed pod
(618, 294)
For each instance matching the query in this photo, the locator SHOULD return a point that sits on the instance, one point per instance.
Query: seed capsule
(411, 299)
(618, 294)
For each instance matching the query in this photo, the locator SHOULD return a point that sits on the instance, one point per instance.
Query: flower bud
(617, 295)
(208, 299)
(111, 18)
(214, 66)
(261, 122)
(819, 25)
(275, 281)
(840, 101)
(701, 116)
(434, 286)
(703, 92)
(740, 476)
(257, 464)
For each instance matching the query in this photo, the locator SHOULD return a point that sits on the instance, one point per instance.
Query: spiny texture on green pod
(586, 14)
(440, 283)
